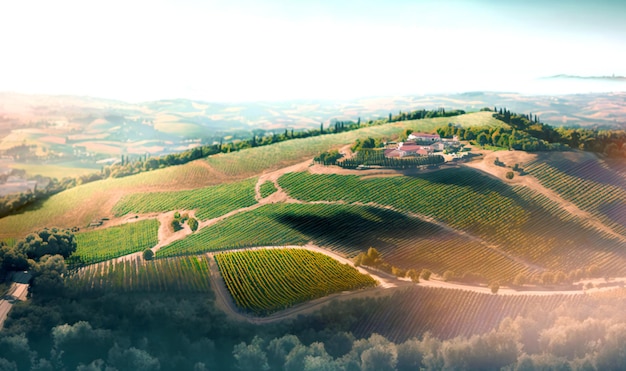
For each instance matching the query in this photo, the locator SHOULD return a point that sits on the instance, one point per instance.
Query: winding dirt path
(487, 166)
(225, 301)
(387, 283)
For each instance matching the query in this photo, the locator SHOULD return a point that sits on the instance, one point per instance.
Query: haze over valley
(328, 185)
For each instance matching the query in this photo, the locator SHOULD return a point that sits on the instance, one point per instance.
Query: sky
(244, 50)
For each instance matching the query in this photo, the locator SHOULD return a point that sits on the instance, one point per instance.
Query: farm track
(487, 167)
(387, 283)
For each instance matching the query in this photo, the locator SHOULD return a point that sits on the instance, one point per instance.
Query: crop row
(268, 280)
(182, 274)
(404, 241)
(417, 310)
(267, 188)
(519, 224)
(104, 244)
(255, 160)
(210, 202)
(602, 196)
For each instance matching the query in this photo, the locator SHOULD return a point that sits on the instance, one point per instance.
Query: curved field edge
(405, 241)
(109, 243)
(209, 202)
(468, 200)
(269, 280)
(273, 157)
(180, 274)
(267, 188)
(78, 206)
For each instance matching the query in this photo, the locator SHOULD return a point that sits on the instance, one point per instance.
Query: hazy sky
(267, 50)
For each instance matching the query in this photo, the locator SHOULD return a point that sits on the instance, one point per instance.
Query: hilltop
(238, 238)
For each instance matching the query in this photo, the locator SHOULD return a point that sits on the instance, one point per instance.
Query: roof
(411, 148)
(392, 153)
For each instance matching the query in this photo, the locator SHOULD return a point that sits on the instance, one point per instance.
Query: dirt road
(225, 302)
(486, 165)
(17, 291)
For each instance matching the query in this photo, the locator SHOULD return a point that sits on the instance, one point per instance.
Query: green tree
(494, 286)
(482, 139)
(193, 224)
(448, 275)
(425, 275)
(148, 254)
(413, 275)
(510, 175)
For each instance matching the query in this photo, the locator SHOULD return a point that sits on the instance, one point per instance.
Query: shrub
(448, 275)
(413, 275)
(148, 254)
(193, 224)
(510, 175)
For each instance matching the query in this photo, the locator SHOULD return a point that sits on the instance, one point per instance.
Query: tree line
(134, 165)
(607, 141)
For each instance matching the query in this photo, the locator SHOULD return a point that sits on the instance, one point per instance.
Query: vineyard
(448, 313)
(78, 206)
(404, 241)
(210, 202)
(267, 189)
(104, 244)
(376, 157)
(184, 274)
(522, 224)
(269, 280)
(253, 161)
(577, 181)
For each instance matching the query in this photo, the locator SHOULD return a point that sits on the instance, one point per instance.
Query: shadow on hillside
(360, 230)
(467, 178)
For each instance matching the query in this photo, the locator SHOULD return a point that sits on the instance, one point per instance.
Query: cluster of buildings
(421, 144)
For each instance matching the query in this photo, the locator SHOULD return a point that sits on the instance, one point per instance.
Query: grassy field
(104, 244)
(266, 281)
(255, 160)
(184, 274)
(80, 205)
(348, 229)
(210, 202)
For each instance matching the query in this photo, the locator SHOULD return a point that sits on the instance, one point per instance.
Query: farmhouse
(404, 149)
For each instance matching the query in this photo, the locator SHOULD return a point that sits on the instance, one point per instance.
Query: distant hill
(75, 132)
(606, 78)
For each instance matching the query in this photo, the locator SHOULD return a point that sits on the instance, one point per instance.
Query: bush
(148, 254)
(448, 275)
(413, 275)
(510, 175)
(176, 225)
(494, 286)
(193, 224)
(398, 272)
